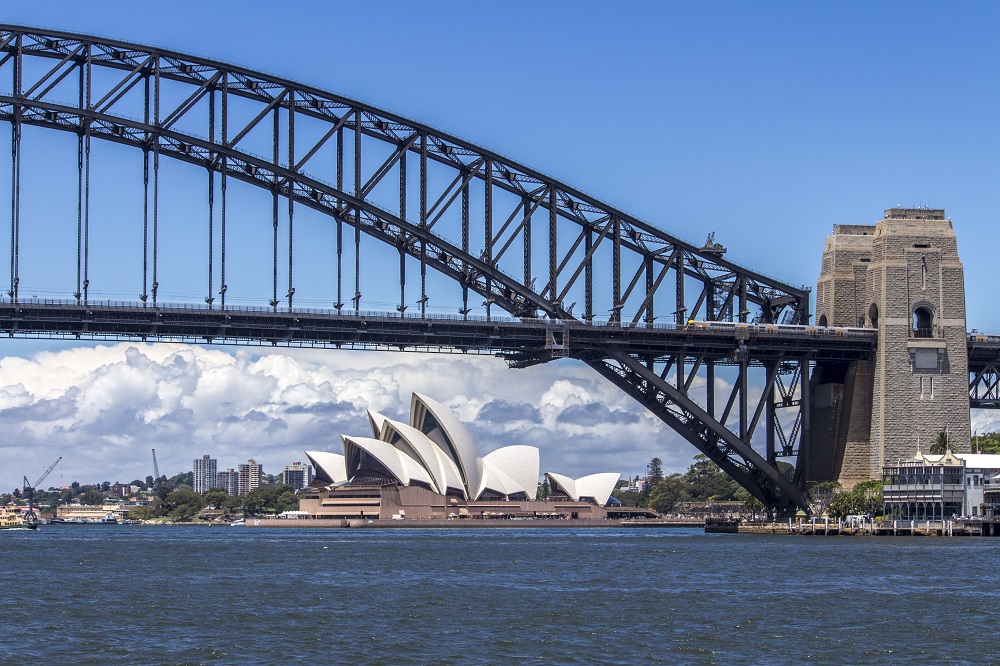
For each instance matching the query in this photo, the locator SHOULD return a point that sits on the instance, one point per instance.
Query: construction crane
(156, 473)
(29, 492)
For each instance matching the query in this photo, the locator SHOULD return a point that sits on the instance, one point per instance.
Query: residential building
(249, 477)
(228, 481)
(205, 469)
(297, 475)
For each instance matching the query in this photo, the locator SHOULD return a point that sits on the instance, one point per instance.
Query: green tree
(142, 513)
(92, 497)
(707, 482)
(184, 478)
(987, 443)
(820, 496)
(940, 445)
(654, 471)
(864, 499)
(751, 504)
(666, 494)
(215, 497)
(270, 499)
(181, 505)
(627, 497)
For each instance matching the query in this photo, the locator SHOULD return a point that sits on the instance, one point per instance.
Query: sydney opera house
(430, 468)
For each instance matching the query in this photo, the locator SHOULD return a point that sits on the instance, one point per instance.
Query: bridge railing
(738, 329)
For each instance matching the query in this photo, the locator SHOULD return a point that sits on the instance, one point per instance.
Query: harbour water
(144, 595)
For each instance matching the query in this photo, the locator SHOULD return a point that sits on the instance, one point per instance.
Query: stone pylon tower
(901, 276)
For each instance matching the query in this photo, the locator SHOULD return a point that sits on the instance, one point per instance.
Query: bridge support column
(901, 276)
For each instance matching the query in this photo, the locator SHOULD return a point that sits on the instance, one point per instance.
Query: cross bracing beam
(984, 371)
(676, 408)
(414, 188)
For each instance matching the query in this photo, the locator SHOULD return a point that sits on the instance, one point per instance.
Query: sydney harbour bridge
(357, 199)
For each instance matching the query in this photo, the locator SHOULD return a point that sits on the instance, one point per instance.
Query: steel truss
(414, 188)
(984, 371)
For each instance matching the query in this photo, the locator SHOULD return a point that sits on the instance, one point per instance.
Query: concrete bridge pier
(902, 277)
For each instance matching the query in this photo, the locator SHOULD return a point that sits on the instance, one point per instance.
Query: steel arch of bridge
(521, 209)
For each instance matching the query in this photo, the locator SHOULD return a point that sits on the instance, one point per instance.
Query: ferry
(11, 519)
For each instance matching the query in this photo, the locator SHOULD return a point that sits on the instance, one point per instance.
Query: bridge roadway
(722, 342)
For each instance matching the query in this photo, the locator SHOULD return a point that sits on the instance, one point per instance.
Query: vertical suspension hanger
(211, 192)
(465, 249)
(15, 179)
(527, 249)
(86, 186)
(156, 173)
(78, 294)
(274, 208)
(340, 221)
(222, 185)
(488, 231)
(423, 226)
(357, 211)
(553, 259)
(291, 190)
(145, 193)
(402, 215)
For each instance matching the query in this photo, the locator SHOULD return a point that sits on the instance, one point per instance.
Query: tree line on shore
(705, 482)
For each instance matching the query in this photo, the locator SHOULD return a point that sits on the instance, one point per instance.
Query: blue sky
(764, 122)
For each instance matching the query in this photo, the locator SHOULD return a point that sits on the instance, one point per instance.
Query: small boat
(238, 523)
(109, 519)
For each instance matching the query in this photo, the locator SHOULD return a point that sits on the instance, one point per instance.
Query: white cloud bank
(104, 407)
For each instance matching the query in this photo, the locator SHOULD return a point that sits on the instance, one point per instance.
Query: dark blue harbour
(188, 595)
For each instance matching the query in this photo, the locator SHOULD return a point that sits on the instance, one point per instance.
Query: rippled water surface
(186, 595)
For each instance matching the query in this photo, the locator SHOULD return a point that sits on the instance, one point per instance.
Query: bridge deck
(720, 341)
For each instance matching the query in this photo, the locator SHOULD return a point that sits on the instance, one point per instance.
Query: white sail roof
(400, 465)
(330, 467)
(519, 463)
(376, 420)
(595, 486)
(440, 466)
(451, 436)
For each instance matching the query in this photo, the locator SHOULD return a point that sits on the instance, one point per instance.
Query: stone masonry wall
(914, 265)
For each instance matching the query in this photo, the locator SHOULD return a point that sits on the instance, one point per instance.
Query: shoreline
(450, 523)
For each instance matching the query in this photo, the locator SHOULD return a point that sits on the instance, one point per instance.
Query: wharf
(962, 527)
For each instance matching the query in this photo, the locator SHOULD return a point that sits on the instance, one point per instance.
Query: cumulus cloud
(104, 407)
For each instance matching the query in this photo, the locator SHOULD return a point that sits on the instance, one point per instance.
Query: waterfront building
(228, 481)
(938, 487)
(297, 475)
(205, 470)
(248, 477)
(430, 468)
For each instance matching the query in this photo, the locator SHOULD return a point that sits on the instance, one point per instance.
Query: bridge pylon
(903, 278)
